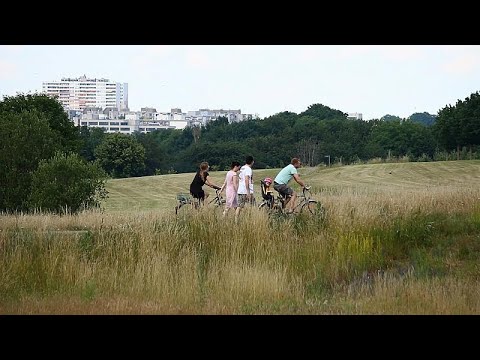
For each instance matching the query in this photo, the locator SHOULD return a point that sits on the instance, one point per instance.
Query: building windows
(95, 91)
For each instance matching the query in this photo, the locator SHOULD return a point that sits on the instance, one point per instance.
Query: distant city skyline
(373, 80)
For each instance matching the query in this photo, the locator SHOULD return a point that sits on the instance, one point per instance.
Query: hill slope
(159, 192)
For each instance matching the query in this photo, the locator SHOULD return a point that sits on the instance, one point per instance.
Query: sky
(374, 80)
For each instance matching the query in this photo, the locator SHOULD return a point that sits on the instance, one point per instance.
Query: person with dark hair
(201, 178)
(245, 183)
(231, 187)
(280, 183)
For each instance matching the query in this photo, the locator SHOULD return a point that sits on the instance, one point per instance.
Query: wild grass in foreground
(388, 253)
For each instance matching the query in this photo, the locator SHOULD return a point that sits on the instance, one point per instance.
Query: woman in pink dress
(231, 187)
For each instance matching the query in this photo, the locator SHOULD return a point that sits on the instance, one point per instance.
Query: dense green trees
(399, 138)
(26, 139)
(423, 118)
(53, 111)
(322, 112)
(67, 183)
(121, 155)
(312, 135)
(90, 139)
(459, 126)
(273, 141)
(155, 154)
(389, 117)
(32, 129)
(320, 131)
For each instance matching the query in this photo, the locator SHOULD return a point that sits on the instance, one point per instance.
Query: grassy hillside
(159, 192)
(395, 239)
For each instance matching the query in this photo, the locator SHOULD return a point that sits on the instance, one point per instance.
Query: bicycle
(187, 199)
(305, 203)
(218, 200)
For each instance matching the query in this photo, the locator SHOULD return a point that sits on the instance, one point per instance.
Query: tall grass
(391, 252)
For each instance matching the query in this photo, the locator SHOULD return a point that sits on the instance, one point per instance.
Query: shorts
(283, 189)
(198, 195)
(242, 200)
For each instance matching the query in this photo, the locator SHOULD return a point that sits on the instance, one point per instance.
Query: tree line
(315, 135)
(41, 146)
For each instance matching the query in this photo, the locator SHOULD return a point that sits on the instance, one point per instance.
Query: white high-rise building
(77, 94)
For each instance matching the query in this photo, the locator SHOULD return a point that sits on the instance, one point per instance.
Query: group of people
(238, 184)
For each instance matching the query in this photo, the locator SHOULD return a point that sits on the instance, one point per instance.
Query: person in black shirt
(201, 178)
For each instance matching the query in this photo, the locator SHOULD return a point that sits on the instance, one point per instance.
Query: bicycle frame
(218, 199)
(186, 199)
(303, 200)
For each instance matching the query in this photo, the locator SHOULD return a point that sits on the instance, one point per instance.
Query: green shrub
(121, 155)
(67, 183)
(424, 158)
(26, 139)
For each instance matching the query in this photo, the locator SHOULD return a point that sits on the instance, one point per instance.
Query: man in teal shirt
(283, 178)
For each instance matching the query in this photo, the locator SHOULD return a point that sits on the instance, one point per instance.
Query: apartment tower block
(76, 94)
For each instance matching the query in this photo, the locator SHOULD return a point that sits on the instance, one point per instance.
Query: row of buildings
(148, 119)
(103, 103)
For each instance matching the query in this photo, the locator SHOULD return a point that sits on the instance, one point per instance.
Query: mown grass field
(398, 238)
(159, 192)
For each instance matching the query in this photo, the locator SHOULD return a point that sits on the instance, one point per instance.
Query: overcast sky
(259, 79)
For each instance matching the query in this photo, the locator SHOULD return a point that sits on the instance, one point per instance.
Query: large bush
(66, 131)
(67, 183)
(121, 155)
(25, 139)
(32, 128)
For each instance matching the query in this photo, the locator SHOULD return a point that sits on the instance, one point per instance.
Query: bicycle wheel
(312, 207)
(215, 202)
(264, 206)
(219, 206)
(181, 208)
